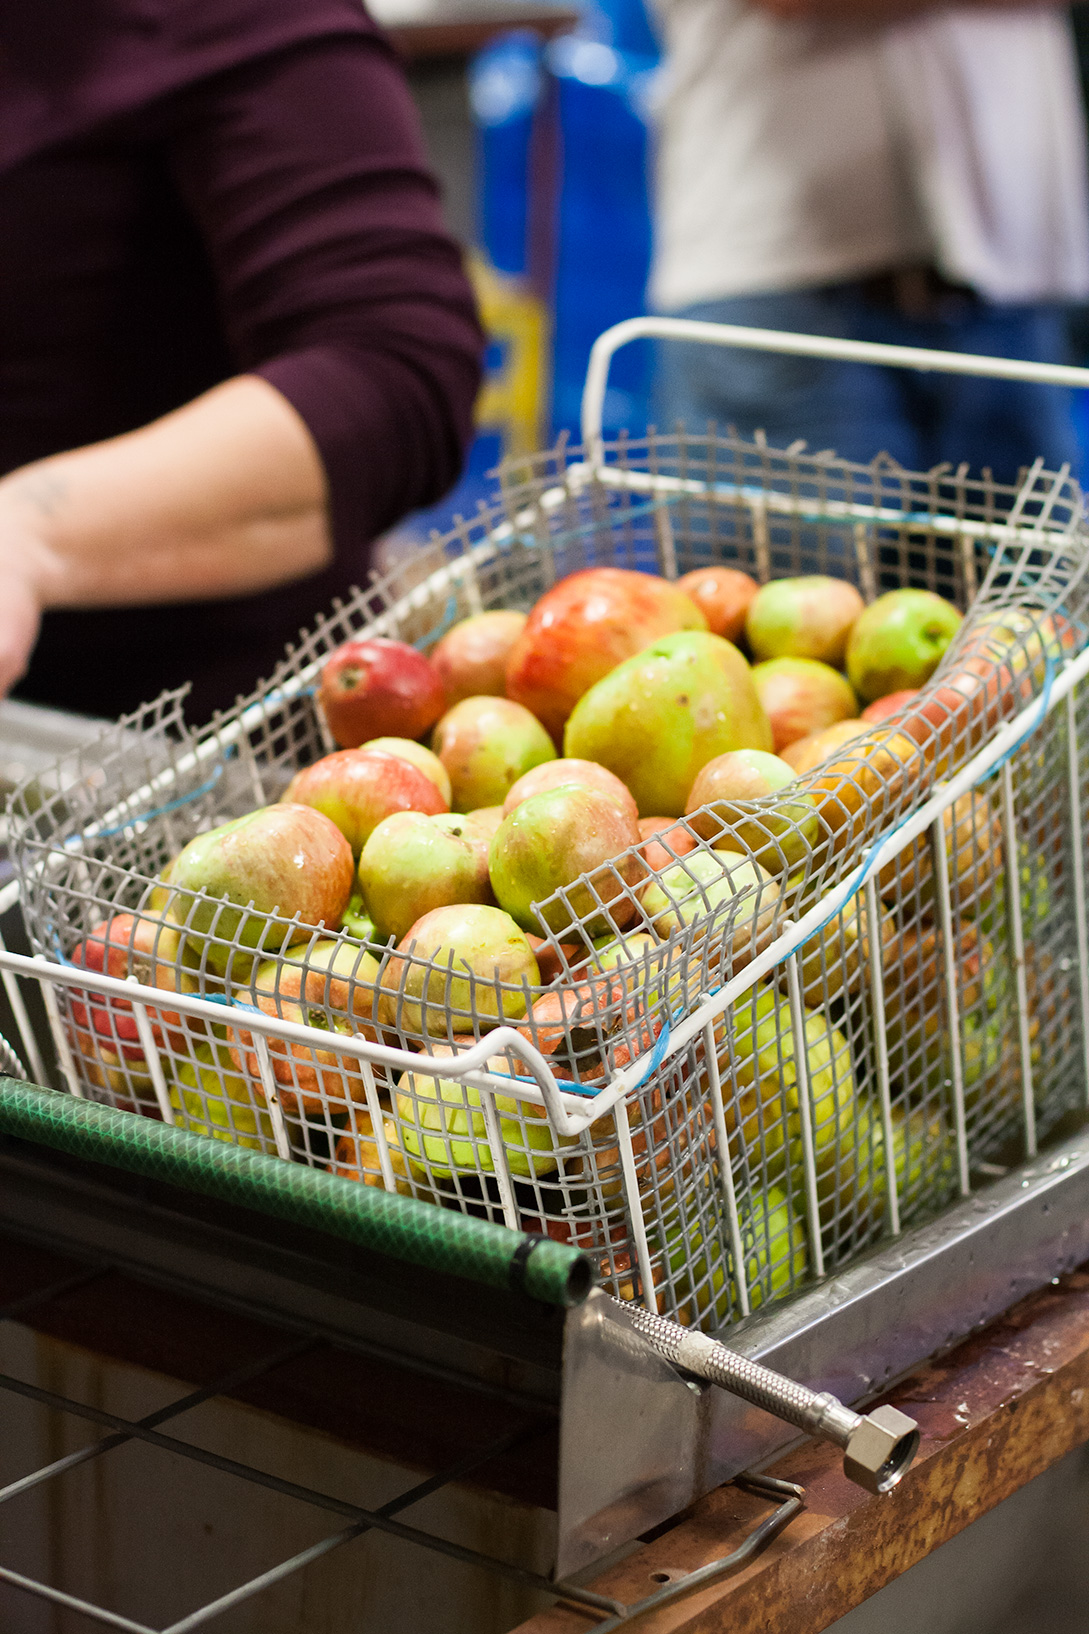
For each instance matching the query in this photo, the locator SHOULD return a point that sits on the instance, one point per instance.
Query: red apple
(808, 617)
(548, 842)
(486, 745)
(357, 788)
(801, 696)
(552, 774)
(548, 960)
(124, 946)
(882, 708)
(723, 595)
(471, 659)
(582, 628)
(286, 859)
(664, 840)
(376, 688)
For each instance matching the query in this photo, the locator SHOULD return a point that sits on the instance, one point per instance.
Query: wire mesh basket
(723, 1069)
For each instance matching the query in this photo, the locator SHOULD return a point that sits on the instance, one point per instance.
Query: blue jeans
(860, 411)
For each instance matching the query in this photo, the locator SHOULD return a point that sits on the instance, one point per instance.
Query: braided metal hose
(878, 1446)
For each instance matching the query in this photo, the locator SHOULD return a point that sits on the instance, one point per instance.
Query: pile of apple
(600, 776)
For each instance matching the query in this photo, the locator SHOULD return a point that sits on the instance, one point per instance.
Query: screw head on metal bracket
(880, 1449)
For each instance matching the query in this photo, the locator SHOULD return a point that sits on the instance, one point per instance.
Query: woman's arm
(223, 497)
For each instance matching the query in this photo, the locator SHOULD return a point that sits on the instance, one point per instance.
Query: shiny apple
(412, 863)
(660, 716)
(898, 642)
(582, 628)
(286, 859)
(372, 688)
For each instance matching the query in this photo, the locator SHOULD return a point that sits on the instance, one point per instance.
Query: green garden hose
(384, 1222)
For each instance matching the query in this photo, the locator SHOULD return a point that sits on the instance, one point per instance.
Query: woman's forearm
(222, 497)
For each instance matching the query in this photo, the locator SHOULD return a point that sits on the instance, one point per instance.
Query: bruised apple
(486, 745)
(723, 595)
(586, 773)
(582, 628)
(471, 659)
(357, 788)
(801, 696)
(660, 716)
(548, 842)
(456, 969)
(412, 863)
(286, 859)
(372, 688)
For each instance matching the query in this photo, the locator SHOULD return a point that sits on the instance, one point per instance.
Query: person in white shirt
(883, 171)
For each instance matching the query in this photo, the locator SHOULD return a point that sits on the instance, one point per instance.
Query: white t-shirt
(797, 153)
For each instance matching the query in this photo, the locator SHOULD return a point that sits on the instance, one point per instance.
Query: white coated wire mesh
(707, 1105)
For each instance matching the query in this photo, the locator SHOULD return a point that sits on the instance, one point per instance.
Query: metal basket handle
(774, 340)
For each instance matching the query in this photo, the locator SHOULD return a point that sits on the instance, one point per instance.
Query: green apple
(779, 836)
(412, 863)
(702, 1272)
(759, 1075)
(898, 642)
(548, 843)
(657, 718)
(284, 859)
(486, 745)
(458, 969)
(209, 1098)
(808, 617)
(852, 1178)
(442, 1128)
(357, 921)
(705, 883)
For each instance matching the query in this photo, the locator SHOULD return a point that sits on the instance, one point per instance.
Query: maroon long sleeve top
(192, 189)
